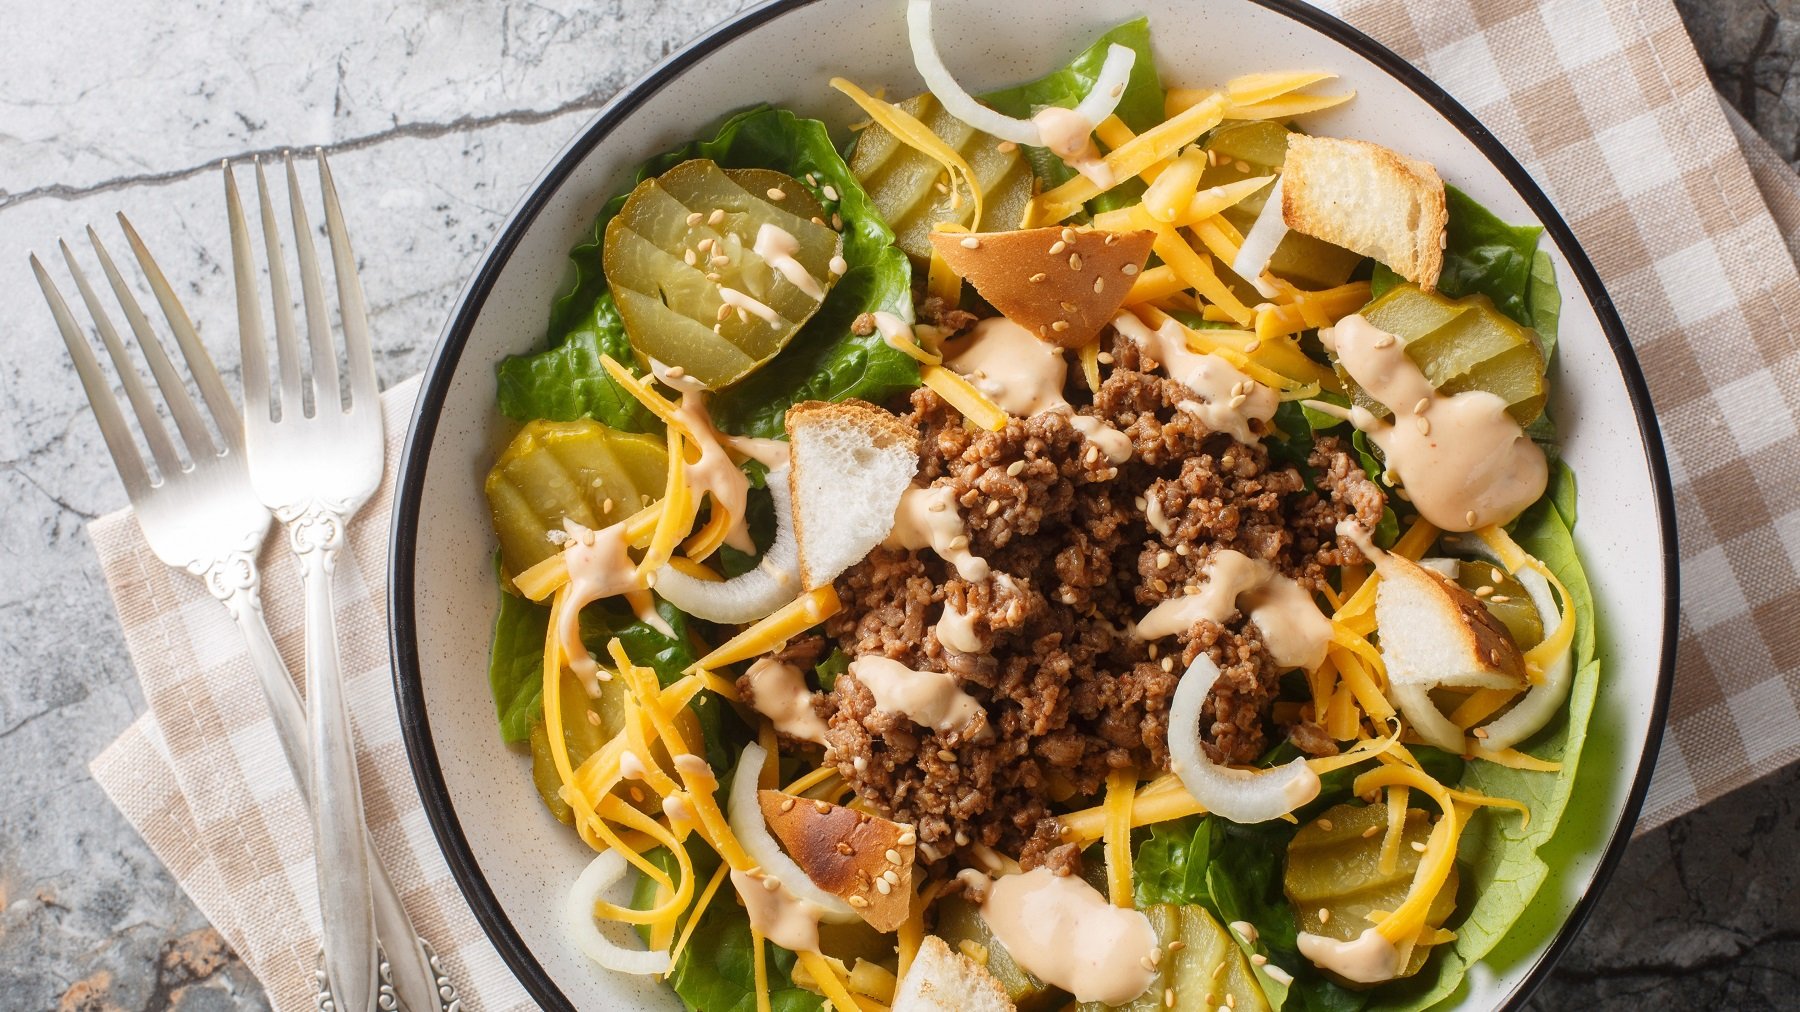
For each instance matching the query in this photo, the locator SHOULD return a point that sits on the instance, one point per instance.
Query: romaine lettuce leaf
(1140, 107)
(824, 361)
(516, 665)
(1485, 255)
(717, 969)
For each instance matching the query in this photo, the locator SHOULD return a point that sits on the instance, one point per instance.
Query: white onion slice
(747, 824)
(601, 874)
(1259, 244)
(1537, 707)
(1243, 796)
(749, 596)
(958, 102)
(1109, 87)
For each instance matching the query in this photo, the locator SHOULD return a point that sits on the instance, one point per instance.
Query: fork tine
(318, 325)
(175, 395)
(167, 459)
(193, 350)
(252, 345)
(99, 394)
(287, 347)
(352, 309)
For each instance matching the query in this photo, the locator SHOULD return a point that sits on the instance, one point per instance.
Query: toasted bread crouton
(941, 980)
(1061, 284)
(851, 463)
(846, 852)
(1433, 632)
(1367, 199)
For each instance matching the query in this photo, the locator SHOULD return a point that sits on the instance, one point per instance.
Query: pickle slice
(904, 183)
(1240, 150)
(553, 470)
(1333, 867)
(1210, 970)
(1508, 602)
(667, 261)
(1461, 344)
(1165, 920)
(583, 735)
(960, 921)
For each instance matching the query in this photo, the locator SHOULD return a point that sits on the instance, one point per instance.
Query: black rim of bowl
(409, 687)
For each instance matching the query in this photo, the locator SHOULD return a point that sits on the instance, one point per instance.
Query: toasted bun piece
(851, 463)
(1433, 632)
(941, 980)
(1367, 199)
(1062, 305)
(844, 852)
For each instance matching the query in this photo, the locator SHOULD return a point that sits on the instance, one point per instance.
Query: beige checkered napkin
(1607, 104)
(202, 778)
(1604, 101)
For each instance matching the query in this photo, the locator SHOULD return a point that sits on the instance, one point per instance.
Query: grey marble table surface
(436, 114)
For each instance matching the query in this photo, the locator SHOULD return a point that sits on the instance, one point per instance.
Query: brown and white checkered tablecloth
(1604, 101)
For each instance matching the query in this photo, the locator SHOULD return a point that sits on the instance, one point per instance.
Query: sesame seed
(1035, 278)
(1324, 916)
(1371, 831)
(1005, 146)
(593, 718)
(1099, 285)
(837, 220)
(718, 328)
(716, 216)
(1110, 239)
(1146, 963)
(970, 242)
(704, 244)
(715, 278)
(845, 849)
(1326, 824)
(787, 804)
(775, 193)
(1424, 425)
(891, 876)
(1470, 517)
(688, 257)
(1168, 997)
(1231, 1001)
(858, 901)
(1237, 401)
(946, 755)
(1385, 341)
(1423, 405)
(882, 886)
(1254, 344)
(1013, 469)
(822, 807)
(830, 193)
(1164, 560)
(1068, 307)
(1057, 247)
(1181, 549)
(1176, 946)
(695, 218)
(1074, 261)
(1480, 732)
(1059, 326)
(816, 220)
(1500, 599)
(908, 838)
(720, 260)
(959, 543)
(1168, 662)
(607, 505)
(859, 764)
(1162, 586)
(1128, 270)
(1105, 358)
(892, 855)
(1093, 455)
(724, 311)
(771, 883)
(637, 794)
(1416, 845)
(1483, 591)
(1495, 575)
(962, 838)
(937, 507)
(1258, 958)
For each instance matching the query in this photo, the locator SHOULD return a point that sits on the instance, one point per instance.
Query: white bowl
(515, 862)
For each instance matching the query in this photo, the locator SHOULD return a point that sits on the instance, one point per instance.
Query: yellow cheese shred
(830, 984)
(678, 510)
(1128, 160)
(769, 633)
(1089, 355)
(1512, 758)
(1396, 828)
(1289, 106)
(1169, 195)
(1193, 267)
(1480, 705)
(1160, 800)
(1219, 238)
(1310, 310)
(941, 279)
(974, 405)
(1121, 787)
(657, 404)
(1153, 283)
(1249, 89)
(761, 972)
(909, 131)
(1440, 849)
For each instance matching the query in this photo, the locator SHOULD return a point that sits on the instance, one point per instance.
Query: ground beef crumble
(1069, 694)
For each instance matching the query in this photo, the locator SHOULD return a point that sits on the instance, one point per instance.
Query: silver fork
(314, 466)
(203, 516)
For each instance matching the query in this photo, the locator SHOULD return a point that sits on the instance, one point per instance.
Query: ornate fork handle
(236, 581)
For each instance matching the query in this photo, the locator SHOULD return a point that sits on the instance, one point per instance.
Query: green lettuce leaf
(717, 969)
(824, 361)
(516, 665)
(1171, 863)
(1140, 106)
(1485, 255)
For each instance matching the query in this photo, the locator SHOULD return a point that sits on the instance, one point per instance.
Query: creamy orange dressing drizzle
(600, 566)
(1153, 515)
(956, 630)
(928, 518)
(738, 300)
(777, 246)
(778, 691)
(715, 472)
(631, 767)
(1069, 136)
(927, 698)
(777, 914)
(1463, 460)
(1025, 377)
(1229, 401)
(1064, 931)
(1293, 628)
(895, 331)
(1367, 959)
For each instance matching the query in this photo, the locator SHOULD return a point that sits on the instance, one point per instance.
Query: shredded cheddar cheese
(974, 405)
(1128, 160)
(792, 619)
(909, 131)
(1121, 787)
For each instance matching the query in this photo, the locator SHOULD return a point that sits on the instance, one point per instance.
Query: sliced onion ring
(601, 874)
(1266, 233)
(749, 596)
(1537, 707)
(1098, 104)
(1243, 796)
(746, 818)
